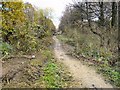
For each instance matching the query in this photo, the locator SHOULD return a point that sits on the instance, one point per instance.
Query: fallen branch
(21, 56)
(3, 57)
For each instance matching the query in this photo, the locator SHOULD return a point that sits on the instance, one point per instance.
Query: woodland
(27, 46)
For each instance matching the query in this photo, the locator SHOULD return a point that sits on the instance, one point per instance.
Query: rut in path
(84, 74)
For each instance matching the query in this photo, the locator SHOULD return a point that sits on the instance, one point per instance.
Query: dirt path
(84, 74)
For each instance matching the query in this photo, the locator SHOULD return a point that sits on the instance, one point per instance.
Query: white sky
(58, 6)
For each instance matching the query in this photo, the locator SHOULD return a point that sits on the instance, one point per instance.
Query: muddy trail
(82, 73)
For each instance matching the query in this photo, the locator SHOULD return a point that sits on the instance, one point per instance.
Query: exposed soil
(18, 72)
(81, 73)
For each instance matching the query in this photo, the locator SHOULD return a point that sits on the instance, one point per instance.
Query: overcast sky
(57, 6)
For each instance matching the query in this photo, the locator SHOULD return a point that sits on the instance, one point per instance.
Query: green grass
(50, 75)
(55, 76)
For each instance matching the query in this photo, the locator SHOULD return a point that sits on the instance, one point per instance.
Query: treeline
(24, 27)
(92, 28)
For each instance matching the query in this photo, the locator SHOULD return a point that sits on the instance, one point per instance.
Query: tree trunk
(101, 17)
(91, 29)
(114, 12)
(119, 28)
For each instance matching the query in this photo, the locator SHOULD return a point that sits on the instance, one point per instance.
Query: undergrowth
(87, 46)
